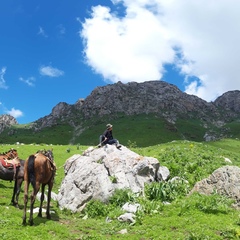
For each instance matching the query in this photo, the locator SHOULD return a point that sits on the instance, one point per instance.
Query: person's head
(109, 126)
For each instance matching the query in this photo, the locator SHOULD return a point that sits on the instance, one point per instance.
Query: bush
(95, 208)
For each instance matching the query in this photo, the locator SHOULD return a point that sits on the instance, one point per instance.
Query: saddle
(10, 163)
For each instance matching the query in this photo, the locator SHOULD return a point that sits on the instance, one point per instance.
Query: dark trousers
(112, 141)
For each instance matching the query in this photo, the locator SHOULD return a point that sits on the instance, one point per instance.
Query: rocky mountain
(6, 120)
(156, 97)
(229, 101)
(152, 97)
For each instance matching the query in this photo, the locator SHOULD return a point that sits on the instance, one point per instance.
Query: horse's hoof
(15, 205)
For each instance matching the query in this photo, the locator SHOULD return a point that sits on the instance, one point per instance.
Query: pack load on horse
(39, 170)
(10, 160)
(11, 169)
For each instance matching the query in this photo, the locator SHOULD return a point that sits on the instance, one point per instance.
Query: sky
(60, 51)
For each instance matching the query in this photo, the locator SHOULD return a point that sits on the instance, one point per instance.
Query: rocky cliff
(6, 120)
(156, 97)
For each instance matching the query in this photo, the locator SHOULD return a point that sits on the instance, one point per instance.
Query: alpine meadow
(188, 135)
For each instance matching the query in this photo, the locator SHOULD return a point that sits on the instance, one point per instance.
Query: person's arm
(105, 136)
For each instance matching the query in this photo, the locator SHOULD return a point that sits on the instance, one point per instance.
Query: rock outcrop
(99, 171)
(225, 181)
(6, 120)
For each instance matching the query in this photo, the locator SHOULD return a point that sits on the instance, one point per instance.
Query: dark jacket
(108, 134)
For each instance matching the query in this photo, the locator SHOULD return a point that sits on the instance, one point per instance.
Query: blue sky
(59, 51)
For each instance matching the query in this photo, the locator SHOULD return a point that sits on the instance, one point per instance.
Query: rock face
(6, 120)
(225, 180)
(99, 171)
(229, 101)
(151, 97)
(148, 97)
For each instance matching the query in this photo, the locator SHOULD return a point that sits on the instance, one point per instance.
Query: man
(107, 137)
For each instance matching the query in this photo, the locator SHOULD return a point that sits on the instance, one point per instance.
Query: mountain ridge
(159, 98)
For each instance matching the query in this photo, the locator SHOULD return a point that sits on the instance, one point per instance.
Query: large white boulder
(99, 171)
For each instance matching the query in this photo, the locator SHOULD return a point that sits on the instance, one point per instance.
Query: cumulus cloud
(50, 71)
(200, 38)
(15, 113)
(2, 80)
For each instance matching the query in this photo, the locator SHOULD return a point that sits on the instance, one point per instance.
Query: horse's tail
(31, 172)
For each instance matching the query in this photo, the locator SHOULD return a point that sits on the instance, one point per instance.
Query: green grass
(50, 135)
(232, 146)
(143, 130)
(187, 217)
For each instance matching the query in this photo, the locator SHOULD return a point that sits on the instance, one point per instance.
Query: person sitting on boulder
(108, 137)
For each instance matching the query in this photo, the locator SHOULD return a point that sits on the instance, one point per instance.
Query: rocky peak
(60, 109)
(61, 112)
(229, 101)
(156, 97)
(6, 120)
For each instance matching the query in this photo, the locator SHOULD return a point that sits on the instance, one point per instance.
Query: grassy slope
(144, 130)
(194, 217)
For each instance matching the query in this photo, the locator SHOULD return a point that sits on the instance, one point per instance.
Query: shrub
(166, 191)
(95, 208)
(121, 196)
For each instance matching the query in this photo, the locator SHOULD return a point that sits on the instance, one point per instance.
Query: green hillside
(142, 130)
(186, 217)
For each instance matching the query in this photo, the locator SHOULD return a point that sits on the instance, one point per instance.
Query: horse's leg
(41, 201)
(19, 184)
(26, 186)
(33, 198)
(50, 185)
(17, 187)
(14, 193)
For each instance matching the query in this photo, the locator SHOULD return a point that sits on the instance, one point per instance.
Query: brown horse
(39, 170)
(11, 169)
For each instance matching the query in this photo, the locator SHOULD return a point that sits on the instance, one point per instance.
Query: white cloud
(15, 113)
(50, 71)
(42, 32)
(29, 81)
(125, 49)
(200, 37)
(2, 80)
